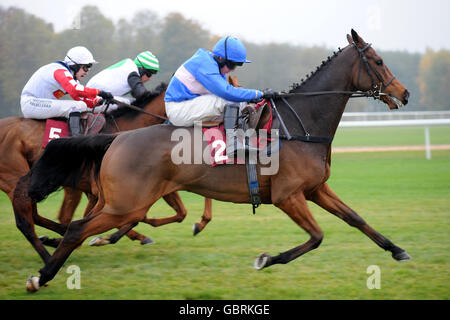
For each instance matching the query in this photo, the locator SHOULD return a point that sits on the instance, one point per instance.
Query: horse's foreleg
(296, 207)
(174, 200)
(327, 199)
(206, 217)
(70, 203)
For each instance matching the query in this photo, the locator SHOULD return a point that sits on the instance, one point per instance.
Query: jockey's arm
(76, 90)
(136, 85)
(218, 86)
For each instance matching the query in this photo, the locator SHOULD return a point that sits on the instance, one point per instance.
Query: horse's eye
(379, 62)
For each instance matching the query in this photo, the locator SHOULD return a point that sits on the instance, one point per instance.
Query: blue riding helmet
(232, 49)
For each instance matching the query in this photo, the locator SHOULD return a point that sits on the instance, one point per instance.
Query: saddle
(92, 124)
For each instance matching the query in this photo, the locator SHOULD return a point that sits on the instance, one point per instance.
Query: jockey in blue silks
(199, 91)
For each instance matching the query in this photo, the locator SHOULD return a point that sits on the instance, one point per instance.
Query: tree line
(28, 42)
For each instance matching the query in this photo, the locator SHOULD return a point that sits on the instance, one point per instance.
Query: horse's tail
(64, 161)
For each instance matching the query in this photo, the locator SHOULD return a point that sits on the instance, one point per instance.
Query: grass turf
(400, 194)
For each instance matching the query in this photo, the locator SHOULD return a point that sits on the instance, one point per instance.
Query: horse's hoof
(98, 241)
(33, 284)
(262, 261)
(196, 229)
(401, 256)
(147, 240)
(43, 239)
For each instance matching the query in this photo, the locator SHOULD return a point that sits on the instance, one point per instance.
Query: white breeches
(202, 108)
(37, 108)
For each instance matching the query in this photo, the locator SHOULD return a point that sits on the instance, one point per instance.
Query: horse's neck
(156, 106)
(321, 114)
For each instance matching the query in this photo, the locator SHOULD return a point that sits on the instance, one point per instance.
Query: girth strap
(253, 184)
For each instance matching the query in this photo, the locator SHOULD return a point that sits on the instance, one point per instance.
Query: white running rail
(398, 119)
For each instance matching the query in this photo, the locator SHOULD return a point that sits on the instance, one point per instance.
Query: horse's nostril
(406, 96)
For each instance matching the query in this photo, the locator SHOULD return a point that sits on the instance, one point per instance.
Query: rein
(123, 104)
(354, 94)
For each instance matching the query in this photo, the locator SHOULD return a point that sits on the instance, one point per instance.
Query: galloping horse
(21, 144)
(137, 169)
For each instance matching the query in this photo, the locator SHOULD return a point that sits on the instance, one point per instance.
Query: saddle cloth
(58, 128)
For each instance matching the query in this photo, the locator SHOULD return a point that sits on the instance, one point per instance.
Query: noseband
(376, 90)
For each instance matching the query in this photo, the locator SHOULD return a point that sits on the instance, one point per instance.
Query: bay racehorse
(21, 144)
(137, 168)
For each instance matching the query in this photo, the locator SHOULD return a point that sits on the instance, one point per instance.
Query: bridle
(377, 90)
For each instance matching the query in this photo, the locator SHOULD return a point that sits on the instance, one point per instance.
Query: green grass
(400, 194)
(389, 136)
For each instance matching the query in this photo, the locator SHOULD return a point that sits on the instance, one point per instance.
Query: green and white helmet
(148, 61)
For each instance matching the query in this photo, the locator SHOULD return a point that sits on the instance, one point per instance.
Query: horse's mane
(296, 86)
(141, 102)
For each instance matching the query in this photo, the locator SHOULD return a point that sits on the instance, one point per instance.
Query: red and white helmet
(79, 55)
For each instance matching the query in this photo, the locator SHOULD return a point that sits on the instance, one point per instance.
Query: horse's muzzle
(405, 97)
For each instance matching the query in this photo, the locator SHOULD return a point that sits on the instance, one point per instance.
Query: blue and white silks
(200, 75)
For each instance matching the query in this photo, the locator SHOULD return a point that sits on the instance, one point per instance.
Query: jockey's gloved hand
(107, 96)
(269, 94)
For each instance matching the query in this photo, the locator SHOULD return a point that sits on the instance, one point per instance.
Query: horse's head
(371, 74)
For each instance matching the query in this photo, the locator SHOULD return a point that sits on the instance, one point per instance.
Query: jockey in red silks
(41, 94)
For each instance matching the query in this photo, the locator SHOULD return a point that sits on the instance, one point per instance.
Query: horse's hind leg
(116, 236)
(76, 233)
(174, 200)
(24, 222)
(20, 195)
(296, 207)
(101, 241)
(113, 238)
(327, 199)
(26, 216)
(206, 217)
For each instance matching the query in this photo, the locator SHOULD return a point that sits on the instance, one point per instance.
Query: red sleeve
(72, 87)
(91, 103)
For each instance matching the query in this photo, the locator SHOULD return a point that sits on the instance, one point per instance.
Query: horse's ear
(349, 39)
(356, 38)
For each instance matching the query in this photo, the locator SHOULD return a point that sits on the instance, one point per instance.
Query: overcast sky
(410, 25)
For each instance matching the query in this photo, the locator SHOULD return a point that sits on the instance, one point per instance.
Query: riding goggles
(86, 67)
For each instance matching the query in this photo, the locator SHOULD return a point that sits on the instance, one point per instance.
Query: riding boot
(235, 144)
(74, 123)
